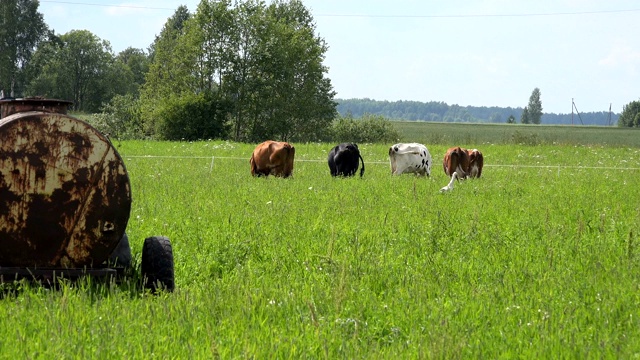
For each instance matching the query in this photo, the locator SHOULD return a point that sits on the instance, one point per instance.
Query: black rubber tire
(157, 264)
(121, 255)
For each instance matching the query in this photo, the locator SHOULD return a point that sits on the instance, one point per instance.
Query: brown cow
(456, 159)
(272, 158)
(476, 162)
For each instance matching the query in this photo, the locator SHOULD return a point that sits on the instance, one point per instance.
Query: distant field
(474, 134)
(467, 133)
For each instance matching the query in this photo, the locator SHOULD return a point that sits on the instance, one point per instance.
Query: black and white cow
(343, 160)
(410, 158)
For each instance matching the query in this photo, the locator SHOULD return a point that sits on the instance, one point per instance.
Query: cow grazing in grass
(272, 158)
(456, 159)
(476, 161)
(410, 158)
(343, 160)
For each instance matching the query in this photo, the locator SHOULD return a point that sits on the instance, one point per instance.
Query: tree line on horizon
(439, 111)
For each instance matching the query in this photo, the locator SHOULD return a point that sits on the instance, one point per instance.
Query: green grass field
(537, 259)
(468, 133)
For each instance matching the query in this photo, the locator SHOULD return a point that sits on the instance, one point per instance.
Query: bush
(120, 118)
(192, 117)
(368, 129)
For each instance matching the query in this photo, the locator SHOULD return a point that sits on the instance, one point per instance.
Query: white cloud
(621, 54)
(623, 58)
(125, 10)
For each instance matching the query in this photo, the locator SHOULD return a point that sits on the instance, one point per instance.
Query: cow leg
(276, 170)
(332, 167)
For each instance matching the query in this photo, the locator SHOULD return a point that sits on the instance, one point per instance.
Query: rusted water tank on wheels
(65, 199)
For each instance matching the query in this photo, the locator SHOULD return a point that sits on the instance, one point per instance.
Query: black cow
(343, 160)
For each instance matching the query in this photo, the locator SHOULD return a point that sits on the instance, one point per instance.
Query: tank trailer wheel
(121, 255)
(157, 264)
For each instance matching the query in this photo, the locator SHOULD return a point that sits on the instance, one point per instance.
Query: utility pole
(577, 112)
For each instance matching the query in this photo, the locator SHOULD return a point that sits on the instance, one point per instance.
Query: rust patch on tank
(65, 196)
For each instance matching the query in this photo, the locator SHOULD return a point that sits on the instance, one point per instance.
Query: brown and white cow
(476, 161)
(456, 159)
(272, 158)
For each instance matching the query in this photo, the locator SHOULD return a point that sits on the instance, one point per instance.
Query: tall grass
(537, 259)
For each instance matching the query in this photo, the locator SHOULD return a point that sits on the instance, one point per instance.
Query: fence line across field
(212, 158)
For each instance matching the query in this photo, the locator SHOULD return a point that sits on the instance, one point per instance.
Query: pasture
(475, 134)
(539, 258)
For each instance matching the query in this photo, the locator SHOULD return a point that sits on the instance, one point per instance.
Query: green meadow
(539, 258)
(469, 133)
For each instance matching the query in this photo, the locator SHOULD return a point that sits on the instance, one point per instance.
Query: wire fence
(213, 158)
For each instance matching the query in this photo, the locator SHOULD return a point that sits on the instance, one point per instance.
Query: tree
(535, 107)
(276, 77)
(299, 102)
(79, 68)
(167, 75)
(511, 119)
(22, 28)
(171, 28)
(137, 62)
(630, 116)
(525, 118)
(262, 64)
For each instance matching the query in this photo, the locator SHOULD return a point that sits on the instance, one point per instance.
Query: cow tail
(254, 168)
(291, 153)
(287, 148)
(458, 164)
(465, 171)
(362, 161)
(454, 163)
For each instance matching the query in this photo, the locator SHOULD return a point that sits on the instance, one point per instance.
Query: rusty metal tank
(65, 195)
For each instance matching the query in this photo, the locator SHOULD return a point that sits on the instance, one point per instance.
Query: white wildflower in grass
(543, 314)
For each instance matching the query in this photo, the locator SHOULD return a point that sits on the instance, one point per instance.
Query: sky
(583, 55)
